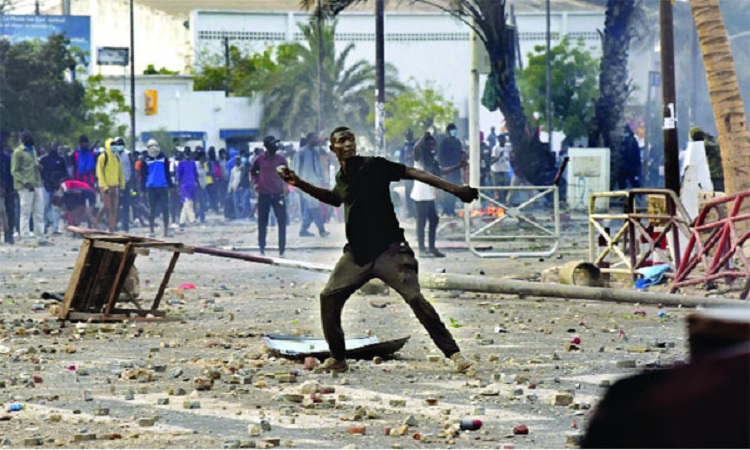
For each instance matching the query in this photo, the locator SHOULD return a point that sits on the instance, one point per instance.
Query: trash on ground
(360, 347)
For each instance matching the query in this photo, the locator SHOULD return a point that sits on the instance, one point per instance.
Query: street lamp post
(132, 79)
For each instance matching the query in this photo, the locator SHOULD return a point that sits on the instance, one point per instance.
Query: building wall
(427, 48)
(180, 109)
(160, 39)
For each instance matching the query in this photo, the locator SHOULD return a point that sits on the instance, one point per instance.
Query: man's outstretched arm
(465, 193)
(324, 195)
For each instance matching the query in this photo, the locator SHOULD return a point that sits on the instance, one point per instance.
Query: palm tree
(729, 109)
(290, 94)
(614, 86)
(487, 19)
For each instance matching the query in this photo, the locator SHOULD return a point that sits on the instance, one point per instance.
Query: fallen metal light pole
(484, 284)
(490, 285)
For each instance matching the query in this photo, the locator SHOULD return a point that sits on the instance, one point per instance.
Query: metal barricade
(720, 234)
(637, 241)
(501, 216)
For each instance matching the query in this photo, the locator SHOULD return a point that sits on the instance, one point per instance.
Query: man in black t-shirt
(376, 246)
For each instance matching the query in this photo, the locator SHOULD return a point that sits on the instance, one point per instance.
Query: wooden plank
(120, 248)
(95, 317)
(75, 278)
(165, 281)
(140, 312)
(122, 271)
(95, 298)
(168, 246)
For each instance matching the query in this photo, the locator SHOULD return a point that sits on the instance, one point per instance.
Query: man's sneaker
(305, 234)
(324, 233)
(437, 253)
(460, 363)
(334, 365)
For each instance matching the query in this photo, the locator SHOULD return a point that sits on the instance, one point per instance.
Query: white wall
(160, 39)
(182, 109)
(429, 48)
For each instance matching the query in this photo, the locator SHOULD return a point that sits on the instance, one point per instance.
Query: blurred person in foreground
(376, 245)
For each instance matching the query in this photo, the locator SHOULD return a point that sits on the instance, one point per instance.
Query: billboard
(112, 56)
(18, 28)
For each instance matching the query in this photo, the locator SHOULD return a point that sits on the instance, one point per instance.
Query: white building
(427, 47)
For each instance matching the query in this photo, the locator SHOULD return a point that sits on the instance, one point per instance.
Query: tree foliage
(35, 93)
(488, 19)
(101, 106)
(246, 68)
(286, 76)
(290, 93)
(574, 87)
(151, 70)
(418, 109)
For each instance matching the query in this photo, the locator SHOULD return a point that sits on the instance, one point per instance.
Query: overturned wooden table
(99, 275)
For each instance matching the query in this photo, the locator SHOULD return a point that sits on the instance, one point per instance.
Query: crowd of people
(103, 184)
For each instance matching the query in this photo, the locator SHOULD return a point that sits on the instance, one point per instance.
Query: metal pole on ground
(472, 283)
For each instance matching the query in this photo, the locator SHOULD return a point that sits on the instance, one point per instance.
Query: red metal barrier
(717, 242)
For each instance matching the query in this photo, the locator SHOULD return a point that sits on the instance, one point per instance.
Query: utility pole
(474, 144)
(36, 8)
(132, 78)
(548, 84)
(671, 151)
(66, 7)
(380, 74)
(320, 69)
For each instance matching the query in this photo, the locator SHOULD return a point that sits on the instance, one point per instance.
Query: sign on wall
(588, 172)
(112, 56)
(152, 102)
(19, 28)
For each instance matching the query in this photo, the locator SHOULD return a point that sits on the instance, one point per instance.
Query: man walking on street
(271, 192)
(156, 183)
(7, 190)
(128, 172)
(450, 154)
(376, 245)
(111, 179)
(28, 182)
(84, 162)
(54, 171)
(307, 165)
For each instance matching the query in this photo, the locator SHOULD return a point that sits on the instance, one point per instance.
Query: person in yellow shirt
(111, 179)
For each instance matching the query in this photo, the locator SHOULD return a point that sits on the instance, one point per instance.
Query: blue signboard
(18, 28)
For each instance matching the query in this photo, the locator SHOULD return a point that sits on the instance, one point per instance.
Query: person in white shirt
(424, 195)
(500, 163)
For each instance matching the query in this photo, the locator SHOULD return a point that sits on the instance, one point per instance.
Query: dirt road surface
(129, 385)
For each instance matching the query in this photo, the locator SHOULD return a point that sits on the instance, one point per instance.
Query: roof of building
(183, 8)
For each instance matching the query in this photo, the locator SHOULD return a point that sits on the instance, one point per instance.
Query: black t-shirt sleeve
(389, 170)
